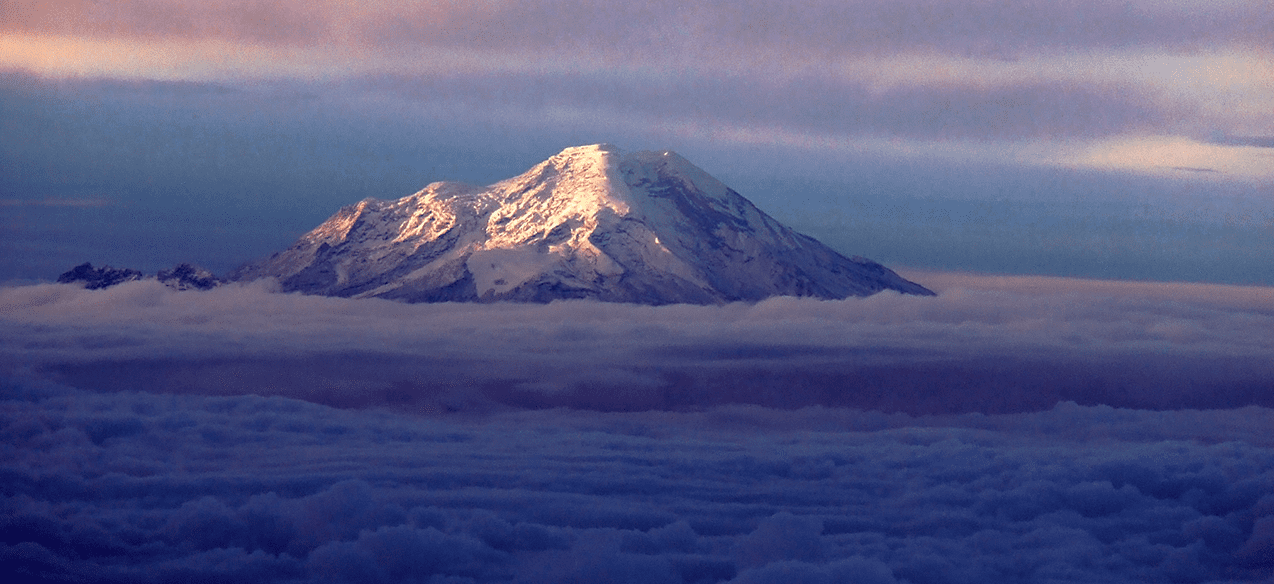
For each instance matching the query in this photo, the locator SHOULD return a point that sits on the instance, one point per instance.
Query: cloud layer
(157, 436)
(986, 344)
(807, 73)
(747, 27)
(138, 487)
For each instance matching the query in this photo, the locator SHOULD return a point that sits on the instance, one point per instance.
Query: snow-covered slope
(590, 222)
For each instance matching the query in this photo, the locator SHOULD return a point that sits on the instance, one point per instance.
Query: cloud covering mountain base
(1009, 430)
(989, 345)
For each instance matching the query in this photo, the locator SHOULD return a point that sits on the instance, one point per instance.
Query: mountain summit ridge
(589, 222)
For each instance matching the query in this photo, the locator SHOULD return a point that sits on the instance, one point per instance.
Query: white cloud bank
(985, 344)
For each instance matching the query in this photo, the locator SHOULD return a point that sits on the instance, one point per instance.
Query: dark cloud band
(137, 487)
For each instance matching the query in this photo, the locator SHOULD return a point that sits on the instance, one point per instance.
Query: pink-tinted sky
(1113, 139)
(1142, 84)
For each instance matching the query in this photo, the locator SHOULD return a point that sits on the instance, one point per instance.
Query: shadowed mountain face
(181, 277)
(98, 278)
(590, 222)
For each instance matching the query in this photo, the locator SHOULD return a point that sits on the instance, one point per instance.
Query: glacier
(591, 222)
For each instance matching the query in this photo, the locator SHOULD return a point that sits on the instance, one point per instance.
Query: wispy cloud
(52, 202)
(823, 25)
(956, 69)
(1167, 153)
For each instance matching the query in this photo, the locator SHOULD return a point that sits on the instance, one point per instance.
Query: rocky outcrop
(181, 277)
(98, 278)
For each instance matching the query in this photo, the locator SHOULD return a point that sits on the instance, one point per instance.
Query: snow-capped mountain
(589, 222)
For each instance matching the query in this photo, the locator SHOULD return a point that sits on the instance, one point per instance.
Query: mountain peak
(579, 180)
(588, 222)
(588, 150)
(584, 157)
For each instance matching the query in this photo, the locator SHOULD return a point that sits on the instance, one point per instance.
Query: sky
(1124, 140)
(1088, 186)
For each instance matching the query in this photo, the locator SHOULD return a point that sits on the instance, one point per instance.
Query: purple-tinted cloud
(985, 344)
(664, 28)
(140, 487)
(888, 439)
(797, 74)
(819, 105)
(280, 22)
(52, 202)
(951, 52)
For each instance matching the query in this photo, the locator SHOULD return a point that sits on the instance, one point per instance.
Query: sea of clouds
(1008, 430)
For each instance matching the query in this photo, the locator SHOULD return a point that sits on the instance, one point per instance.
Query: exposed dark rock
(98, 278)
(188, 277)
(181, 277)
